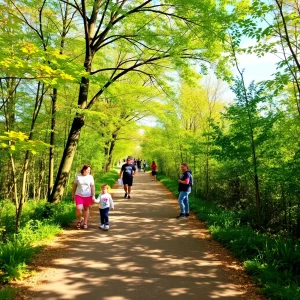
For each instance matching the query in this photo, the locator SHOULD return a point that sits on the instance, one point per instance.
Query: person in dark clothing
(139, 164)
(144, 165)
(127, 173)
(184, 188)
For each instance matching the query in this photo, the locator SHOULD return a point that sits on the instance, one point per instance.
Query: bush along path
(146, 254)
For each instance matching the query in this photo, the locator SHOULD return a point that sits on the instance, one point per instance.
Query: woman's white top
(84, 184)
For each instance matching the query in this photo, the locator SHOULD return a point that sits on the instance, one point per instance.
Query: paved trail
(147, 254)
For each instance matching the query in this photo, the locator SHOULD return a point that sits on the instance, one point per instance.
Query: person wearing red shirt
(153, 167)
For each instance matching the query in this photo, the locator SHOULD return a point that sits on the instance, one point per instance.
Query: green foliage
(19, 141)
(171, 184)
(7, 293)
(63, 213)
(35, 231)
(40, 223)
(107, 178)
(7, 219)
(13, 257)
(276, 285)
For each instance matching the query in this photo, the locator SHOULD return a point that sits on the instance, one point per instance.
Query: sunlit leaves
(18, 141)
(48, 67)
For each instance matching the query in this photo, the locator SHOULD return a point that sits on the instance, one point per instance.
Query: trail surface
(147, 254)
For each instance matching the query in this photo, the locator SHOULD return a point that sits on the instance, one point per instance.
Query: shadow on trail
(146, 254)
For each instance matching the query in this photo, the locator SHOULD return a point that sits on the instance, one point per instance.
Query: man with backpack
(185, 183)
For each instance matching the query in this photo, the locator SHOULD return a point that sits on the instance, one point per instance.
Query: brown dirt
(147, 254)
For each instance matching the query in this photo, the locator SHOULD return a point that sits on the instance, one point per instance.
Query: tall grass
(41, 221)
(7, 293)
(272, 261)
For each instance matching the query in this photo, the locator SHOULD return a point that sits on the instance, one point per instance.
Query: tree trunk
(287, 41)
(206, 177)
(54, 101)
(73, 137)
(52, 140)
(298, 218)
(110, 151)
(67, 159)
(38, 103)
(284, 202)
(40, 179)
(256, 180)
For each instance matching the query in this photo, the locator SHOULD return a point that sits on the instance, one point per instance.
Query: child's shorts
(85, 201)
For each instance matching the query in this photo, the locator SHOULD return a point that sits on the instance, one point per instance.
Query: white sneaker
(106, 227)
(101, 226)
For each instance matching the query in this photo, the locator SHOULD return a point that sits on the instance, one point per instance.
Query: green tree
(147, 34)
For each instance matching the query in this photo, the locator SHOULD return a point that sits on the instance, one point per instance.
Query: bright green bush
(7, 219)
(13, 257)
(16, 250)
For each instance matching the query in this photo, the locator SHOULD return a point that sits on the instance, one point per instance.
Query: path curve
(147, 254)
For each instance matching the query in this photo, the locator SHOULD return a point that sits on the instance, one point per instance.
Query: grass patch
(17, 250)
(7, 293)
(272, 261)
(107, 178)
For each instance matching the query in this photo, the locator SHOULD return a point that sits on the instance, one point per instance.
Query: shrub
(13, 257)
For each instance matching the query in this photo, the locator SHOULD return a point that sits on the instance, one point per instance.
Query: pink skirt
(85, 201)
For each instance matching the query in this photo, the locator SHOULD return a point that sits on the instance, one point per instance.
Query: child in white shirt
(105, 203)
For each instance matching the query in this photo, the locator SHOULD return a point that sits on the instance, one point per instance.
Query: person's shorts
(154, 173)
(85, 201)
(128, 181)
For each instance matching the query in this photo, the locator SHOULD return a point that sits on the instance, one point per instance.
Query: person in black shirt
(144, 165)
(139, 164)
(184, 188)
(127, 173)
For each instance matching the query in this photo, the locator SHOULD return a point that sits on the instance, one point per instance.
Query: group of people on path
(83, 192)
(138, 163)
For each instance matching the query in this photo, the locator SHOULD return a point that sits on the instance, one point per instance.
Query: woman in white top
(83, 193)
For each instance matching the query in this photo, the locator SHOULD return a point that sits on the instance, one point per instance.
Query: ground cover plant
(272, 261)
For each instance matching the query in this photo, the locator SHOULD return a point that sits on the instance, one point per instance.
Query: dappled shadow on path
(146, 254)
